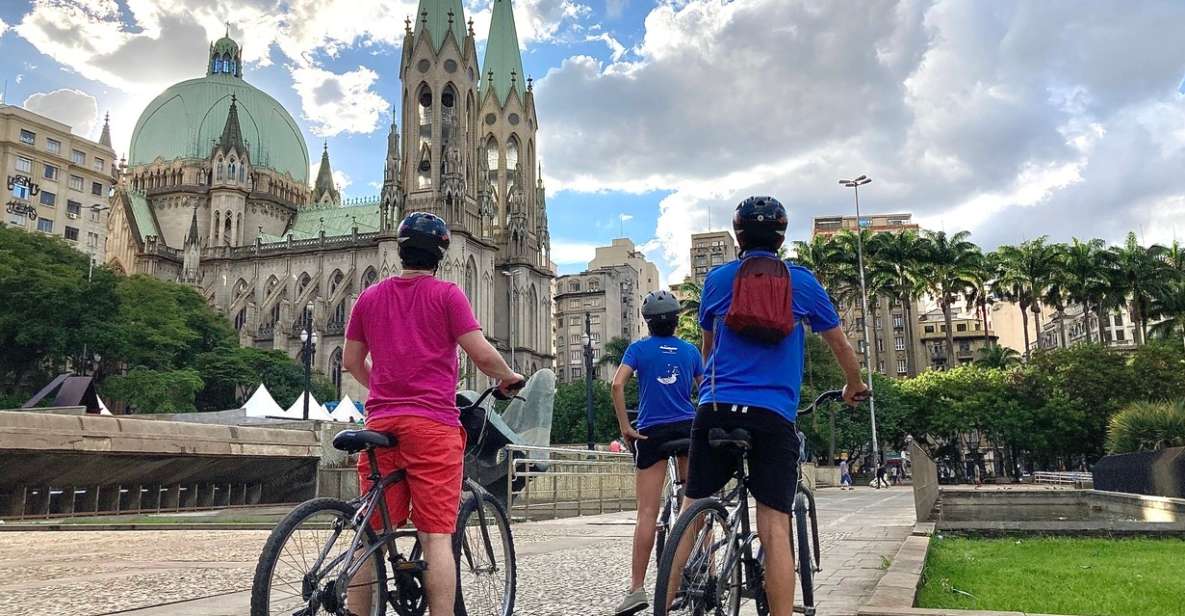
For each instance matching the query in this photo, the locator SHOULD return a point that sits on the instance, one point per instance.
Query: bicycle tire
(500, 523)
(662, 583)
(806, 568)
(660, 538)
(274, 549)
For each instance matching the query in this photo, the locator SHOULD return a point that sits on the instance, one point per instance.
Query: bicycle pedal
(411, 566)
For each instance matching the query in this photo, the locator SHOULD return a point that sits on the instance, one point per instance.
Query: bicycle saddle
(677, 447)
(738, 438)
(353, 441)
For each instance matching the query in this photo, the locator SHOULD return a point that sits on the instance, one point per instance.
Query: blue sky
(1010, 119)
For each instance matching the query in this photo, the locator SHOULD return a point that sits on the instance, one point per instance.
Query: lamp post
(308, 346)
(588, 379)
(855, 185)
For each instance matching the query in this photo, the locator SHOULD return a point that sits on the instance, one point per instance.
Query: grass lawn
(1056, 575)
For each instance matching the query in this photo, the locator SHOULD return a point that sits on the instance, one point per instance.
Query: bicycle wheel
(486, 570)
(303, 558)
(696, 575)
(806, 565)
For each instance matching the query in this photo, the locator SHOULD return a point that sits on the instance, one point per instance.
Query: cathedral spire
(192, 237)
(232, 134)
(105, 138)
(503, 58)
(440, 17)
(324, 190)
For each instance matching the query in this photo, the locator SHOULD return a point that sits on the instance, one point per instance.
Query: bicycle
(671, 450)
(315, 573)
(724, 561)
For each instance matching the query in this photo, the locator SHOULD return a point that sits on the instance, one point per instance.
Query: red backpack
(762, 300)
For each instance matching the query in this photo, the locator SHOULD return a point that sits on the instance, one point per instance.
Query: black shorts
(648, 451)
(773, 459)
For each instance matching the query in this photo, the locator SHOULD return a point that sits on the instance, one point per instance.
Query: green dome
(187, 119)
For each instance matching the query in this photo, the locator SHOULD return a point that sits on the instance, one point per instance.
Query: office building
(830, 225)
(709, 250)
(969, 337)
(57, 182)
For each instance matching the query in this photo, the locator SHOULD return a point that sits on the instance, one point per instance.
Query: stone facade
(709, 250)
(277, 257)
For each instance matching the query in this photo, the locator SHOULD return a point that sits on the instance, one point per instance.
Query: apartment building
(609, 296)
(969, 338)
(1118, 329)
(709, 250)
(57, 182)
(830, 225)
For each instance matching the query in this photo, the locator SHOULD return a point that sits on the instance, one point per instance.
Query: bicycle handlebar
(496, 392)
(834, 395)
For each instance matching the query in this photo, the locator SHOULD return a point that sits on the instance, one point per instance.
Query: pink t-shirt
(411, 326)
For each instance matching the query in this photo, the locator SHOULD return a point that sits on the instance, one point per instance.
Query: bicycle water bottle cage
(353, 441)
(738, 439)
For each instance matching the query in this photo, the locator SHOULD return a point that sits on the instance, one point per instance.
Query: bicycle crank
(409, 598)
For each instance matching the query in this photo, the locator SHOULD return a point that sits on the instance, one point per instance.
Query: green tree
(1169, 306)
(1158, 372)
(614, 352)
(997, 356)
(1140, 277)
(898, 272)
(1030, 266)
(950, 265)
(821, 256)
(1087, 267)
(688, 328)
(1147, 426)
(156, 391)
(166, 325)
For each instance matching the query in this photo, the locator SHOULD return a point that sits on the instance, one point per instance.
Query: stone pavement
(573, 566)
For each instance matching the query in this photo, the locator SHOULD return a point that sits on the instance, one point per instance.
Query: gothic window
(369, 277)
(303, 283)
(339, 313)
(335, 370)
(424, 115)
(218, 175)
(240, 319)
(471, 281)
(511, 158)
(448, 114)
(533, 322)
(231, 169)
(242, 173)
(335, 281)
(492, 162)
(424, 169)
(227, 230)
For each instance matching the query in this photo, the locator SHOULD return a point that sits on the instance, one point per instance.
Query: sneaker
(633, 603)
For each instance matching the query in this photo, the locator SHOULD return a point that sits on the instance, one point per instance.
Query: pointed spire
(105, 138)
(439, 17)
(232, 134)
(503, 57)
(324, 186)
(192, 238)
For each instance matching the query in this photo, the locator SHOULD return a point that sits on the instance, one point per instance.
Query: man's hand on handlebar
(855, 394)
(509, 386)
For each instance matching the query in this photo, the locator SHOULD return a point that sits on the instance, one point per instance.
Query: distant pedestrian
(845, 478)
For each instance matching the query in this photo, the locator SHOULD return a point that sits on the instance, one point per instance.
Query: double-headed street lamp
(588, 379)
(855, 184)
(308, 346)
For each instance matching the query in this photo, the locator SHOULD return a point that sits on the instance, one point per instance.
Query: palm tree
(848, 276)
(614, 352)
(1009, 285)
(978, 294)
(1030, 265)
(1169, 305)
(1140, 276)
(1174, 259)
(820, 255)
(950, 264)
(688, 328)
(1087, 266)
(897, 271)
(1057, 290)
(997, 356)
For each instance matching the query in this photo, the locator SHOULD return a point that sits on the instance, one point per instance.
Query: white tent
(261, 404)
(347, 411)
(316, 411)
(103, 410)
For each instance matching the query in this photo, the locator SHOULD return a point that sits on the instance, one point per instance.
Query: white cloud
(534, 20)
(4, 27)
(966, 114)
(336, 103)
(74, 108)
(565, 252)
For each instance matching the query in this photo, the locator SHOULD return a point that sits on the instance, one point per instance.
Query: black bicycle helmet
(660, 304)
(760, 224)
(423, 233)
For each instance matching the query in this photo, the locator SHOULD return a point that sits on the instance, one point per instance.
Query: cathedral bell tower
(439, 72)
(230, 183)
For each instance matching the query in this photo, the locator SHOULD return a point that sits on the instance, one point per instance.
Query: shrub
(1147, 426)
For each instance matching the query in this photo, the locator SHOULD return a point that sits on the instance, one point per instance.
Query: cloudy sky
(1008, 119)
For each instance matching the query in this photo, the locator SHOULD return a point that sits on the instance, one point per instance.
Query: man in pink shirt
(411, 325)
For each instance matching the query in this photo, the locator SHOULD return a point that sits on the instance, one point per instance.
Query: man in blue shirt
(666, 367)
(755, 384)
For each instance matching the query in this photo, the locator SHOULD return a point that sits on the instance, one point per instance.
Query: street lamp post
(308, 346)
(588, 379)
(855, 185)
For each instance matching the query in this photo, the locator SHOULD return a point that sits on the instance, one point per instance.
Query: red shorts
(434, 456)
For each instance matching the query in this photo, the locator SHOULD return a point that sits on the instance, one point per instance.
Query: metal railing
(546, 483)
(1073, 478)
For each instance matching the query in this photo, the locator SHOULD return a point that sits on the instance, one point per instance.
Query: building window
(24, 165)
(899, 343)
(880, 366)
(20, 191)
(73, 209)
(1118, 321)
(900, 366)
(98, 164)
(76, 183)
(1119, 334)
(575, 303)
(71, 234)
(880, 346)
(53, 145)
(574, 286)
(574, 356)
(28, 137)
(860, 322)
(929, 329)
(559, 341)
(78, 157)
(898, 321)
(961, 327)
(96, 189)
(577, 373)
(95, 212)
(964, 347)
(48, 198)
(860, 346)
(45, 225)
(92, 240)
(51, 172)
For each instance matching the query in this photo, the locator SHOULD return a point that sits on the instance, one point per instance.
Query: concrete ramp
(53, 465)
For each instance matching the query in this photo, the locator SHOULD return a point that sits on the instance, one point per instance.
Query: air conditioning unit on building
(71, 215)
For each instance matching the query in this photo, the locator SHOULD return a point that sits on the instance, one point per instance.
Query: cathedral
(215, 194)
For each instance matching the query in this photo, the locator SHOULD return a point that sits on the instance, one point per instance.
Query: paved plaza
(574, 566)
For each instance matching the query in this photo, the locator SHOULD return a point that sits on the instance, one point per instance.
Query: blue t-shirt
(750, 373)
(666, 367)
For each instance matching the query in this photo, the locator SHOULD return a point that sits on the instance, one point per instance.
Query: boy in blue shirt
(666, 367)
